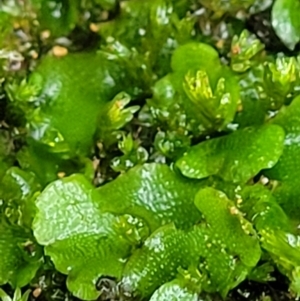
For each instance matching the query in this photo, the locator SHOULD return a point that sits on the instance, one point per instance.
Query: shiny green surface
(251, 154)
(149, 150)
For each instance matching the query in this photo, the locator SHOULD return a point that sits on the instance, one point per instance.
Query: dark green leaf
(20, 257)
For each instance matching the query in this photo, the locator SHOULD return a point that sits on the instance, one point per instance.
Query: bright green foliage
(172, 144)
(230, 255)
(154, 193)
(141, 23)
(73, 99)
(222, 261)
(252, 154)
(285, 21)
(157, 261)
(201, 95)
(282, 81)
(17, 295)
(284, 249)
(267, 83)
(82, 242)
(188, 124)
(20, 256)
(25, 91)
(286, 171)
(193, 56)
(277, 235)
(244, 48)
(172, 291)
(139, 76)
(71, 106)
(114, 116)
(262, 209)
(216, 108)
(133, 154)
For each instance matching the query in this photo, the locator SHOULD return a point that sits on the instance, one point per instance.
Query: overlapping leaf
(154, 193)
(223, 248)
(236, 157)
(172, 291)
(286, 171)
(200, 94)
(82, 242)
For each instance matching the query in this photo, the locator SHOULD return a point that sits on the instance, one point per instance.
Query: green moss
(155, 153)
